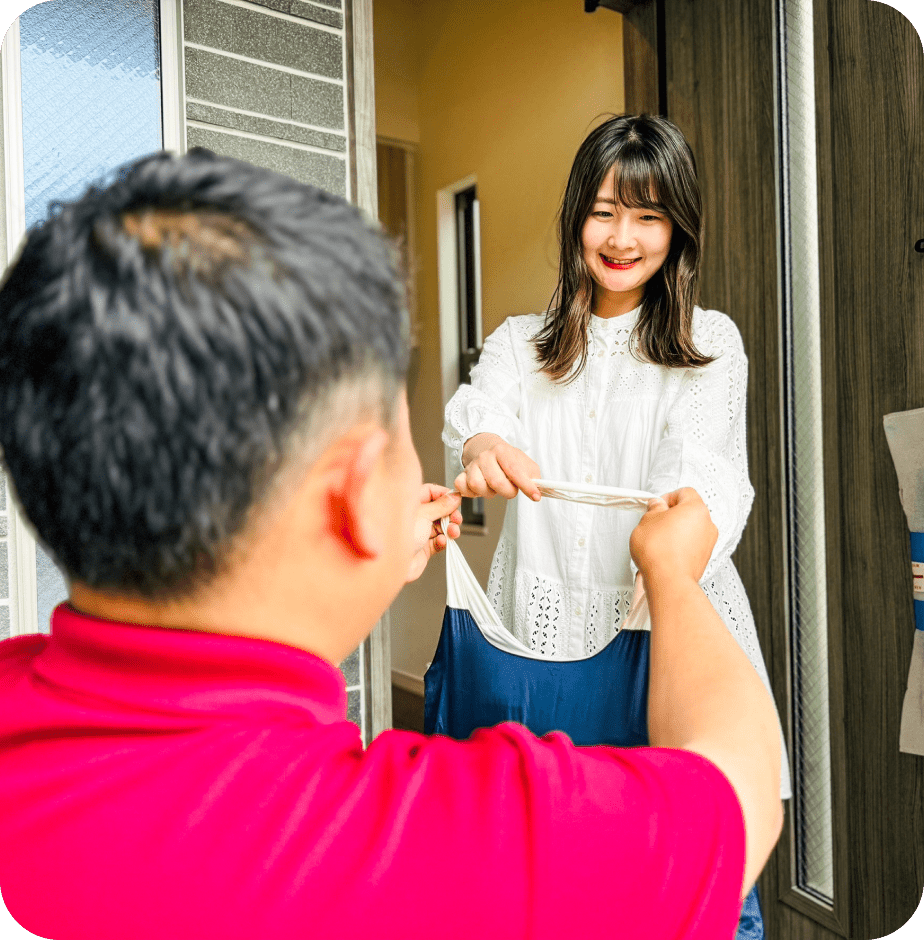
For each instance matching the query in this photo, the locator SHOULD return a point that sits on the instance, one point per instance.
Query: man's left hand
(436, 503)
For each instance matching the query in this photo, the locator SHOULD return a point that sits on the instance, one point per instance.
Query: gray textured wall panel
(354, 707)
(260, 36)
(265, 127)
(219, 87)
(350, 668)
(319, 169)
(307, 11)
(250, 87)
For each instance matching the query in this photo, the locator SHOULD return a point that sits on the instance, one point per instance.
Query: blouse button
(578, 610)
(591, 414)
(600, 354)
(588, 478)
(580, 543)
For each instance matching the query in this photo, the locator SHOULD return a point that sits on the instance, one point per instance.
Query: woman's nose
(622, 234)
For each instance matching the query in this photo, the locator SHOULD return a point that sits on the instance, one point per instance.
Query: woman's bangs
(635, 182)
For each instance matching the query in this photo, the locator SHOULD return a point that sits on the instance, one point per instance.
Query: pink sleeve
(506, 835)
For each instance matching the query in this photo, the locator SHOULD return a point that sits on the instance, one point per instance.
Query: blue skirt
(602, 699)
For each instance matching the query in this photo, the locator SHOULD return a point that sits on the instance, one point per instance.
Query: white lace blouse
(562, 579)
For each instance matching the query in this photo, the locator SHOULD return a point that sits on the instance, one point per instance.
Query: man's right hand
(675, 537)
(704, 696)
(495, 468)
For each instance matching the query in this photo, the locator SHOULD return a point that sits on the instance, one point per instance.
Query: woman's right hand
(494, 467)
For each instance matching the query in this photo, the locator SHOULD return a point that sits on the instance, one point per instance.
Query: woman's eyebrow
(653, 206)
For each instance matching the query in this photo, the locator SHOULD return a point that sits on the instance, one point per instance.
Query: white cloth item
(905, 436)
(463, 592)
(611, 496)
(562, 579)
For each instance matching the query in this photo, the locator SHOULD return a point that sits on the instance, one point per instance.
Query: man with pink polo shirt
(202, 412)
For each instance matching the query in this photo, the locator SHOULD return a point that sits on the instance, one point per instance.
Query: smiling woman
(619, 241)
(632, 195)
(623, 382)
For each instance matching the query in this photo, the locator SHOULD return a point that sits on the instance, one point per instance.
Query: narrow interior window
(804, 457)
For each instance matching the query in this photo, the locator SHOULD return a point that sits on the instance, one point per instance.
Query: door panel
(872, 208)
(717, 58)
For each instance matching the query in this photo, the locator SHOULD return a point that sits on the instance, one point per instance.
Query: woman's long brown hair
(655, 170)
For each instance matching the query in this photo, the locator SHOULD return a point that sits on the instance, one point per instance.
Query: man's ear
(354, 500)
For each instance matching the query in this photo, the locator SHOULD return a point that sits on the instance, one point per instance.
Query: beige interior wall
(397, 69)
(505, 91)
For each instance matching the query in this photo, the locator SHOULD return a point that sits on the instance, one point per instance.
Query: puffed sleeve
(704, 443)
(491, 404)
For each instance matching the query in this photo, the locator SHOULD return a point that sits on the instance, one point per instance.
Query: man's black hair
(162, 341)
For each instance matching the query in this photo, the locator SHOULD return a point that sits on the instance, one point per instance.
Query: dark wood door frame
(644, 55)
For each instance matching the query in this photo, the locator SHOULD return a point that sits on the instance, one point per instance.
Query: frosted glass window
(91, 101)
(90, 93)
(803, 443)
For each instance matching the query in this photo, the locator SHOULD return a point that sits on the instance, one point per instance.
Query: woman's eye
(651, 218)
(602, 214)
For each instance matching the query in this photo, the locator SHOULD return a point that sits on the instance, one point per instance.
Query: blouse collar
(605, 325)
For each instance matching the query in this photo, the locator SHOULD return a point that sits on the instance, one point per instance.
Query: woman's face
(623, 248)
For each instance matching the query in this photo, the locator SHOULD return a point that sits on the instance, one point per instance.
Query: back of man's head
(168, 343)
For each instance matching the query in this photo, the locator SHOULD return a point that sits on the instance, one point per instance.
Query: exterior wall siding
(265, 83)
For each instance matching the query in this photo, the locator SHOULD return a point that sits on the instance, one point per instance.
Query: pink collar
(191, 675)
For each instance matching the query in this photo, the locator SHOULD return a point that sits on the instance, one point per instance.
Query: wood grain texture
(640, 59)
(720, 91)
(871, 160)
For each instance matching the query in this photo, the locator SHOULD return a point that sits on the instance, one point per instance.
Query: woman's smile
(619, 264)
(624, 247)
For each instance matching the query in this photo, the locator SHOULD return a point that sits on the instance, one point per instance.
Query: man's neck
(232, 610)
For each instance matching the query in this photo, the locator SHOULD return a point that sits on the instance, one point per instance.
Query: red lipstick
(619, 266)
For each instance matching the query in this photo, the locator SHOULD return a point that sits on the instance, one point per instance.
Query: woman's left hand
(436, 503)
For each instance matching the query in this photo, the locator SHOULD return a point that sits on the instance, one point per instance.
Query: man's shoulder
(17, 653)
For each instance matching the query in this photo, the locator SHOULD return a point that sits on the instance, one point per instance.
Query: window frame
(21, 537)
(834, 913)
(448, 273)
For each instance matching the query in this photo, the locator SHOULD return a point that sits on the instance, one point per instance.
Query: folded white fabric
(463, 592)
(612, 496)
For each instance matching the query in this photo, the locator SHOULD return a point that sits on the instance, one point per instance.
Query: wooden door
(714, 67)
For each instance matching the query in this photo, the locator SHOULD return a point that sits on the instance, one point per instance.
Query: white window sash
(21, 539)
